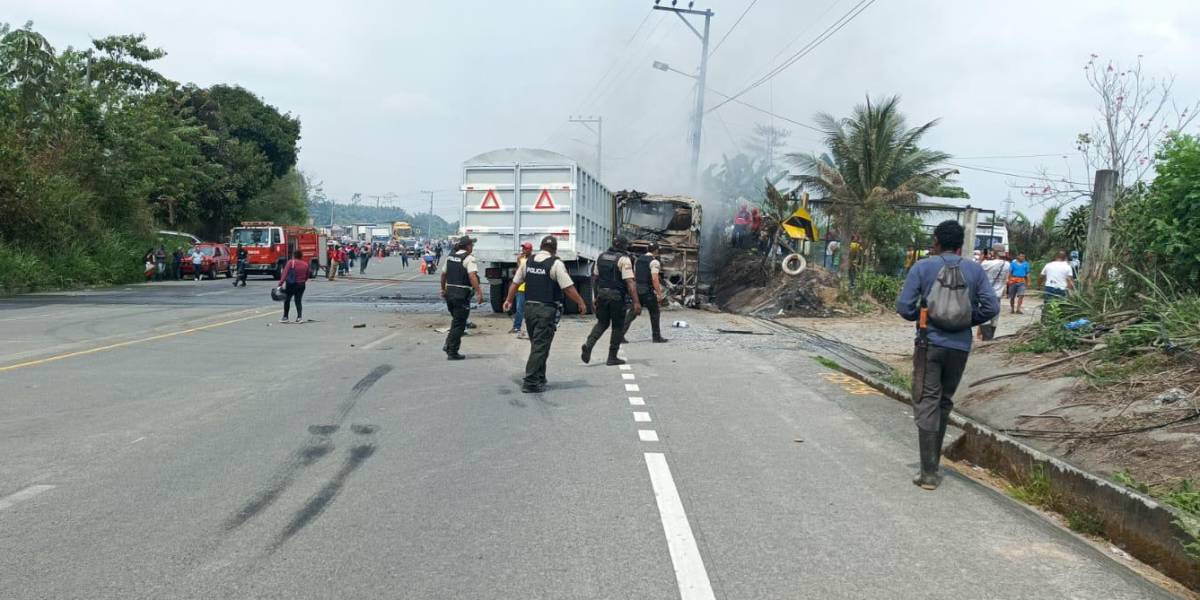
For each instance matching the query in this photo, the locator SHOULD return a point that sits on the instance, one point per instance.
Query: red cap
(526, 245)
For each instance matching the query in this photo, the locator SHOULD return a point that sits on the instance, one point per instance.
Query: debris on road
(360, 325)
(743, 331)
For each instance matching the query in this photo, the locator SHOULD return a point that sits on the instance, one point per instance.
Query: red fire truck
(268, 246)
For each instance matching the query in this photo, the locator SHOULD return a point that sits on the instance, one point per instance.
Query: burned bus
(672, 221)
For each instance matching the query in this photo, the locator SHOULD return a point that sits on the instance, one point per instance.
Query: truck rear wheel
(583, 285)
(496, 295)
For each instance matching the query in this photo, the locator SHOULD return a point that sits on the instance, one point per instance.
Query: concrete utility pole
(429, 220)
(1095, 254)
(1008, 205)
(970, 222)
(599, 131)
(698, 115)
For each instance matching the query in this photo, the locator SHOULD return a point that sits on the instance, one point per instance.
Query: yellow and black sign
(800, 226)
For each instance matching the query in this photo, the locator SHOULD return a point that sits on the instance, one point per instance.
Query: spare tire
(794, 264)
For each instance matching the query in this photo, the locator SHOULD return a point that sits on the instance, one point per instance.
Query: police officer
(546, 281)
(460, 276)
(646, 275)
(243, 257)
(613, 281)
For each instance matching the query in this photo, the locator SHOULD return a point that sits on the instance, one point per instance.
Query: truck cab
(268, 246)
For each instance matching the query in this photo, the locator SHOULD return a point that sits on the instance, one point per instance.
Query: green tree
(874, 162)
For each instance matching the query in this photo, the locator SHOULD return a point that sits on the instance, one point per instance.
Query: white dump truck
(516, 195)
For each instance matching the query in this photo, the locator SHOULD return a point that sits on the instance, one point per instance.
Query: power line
(1000, 156)
(735, 24)
(1048, 177)
(835, 27)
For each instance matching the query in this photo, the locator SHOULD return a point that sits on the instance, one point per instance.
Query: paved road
(173, 440)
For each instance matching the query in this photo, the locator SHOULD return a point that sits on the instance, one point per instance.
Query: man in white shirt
(997, 270)
(1057, 278)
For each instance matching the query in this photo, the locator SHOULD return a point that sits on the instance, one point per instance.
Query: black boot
(586, 355)
(945, 418)
(658, 339)
(613, 360)
(928, 478)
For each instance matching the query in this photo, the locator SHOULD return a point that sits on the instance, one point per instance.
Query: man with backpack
(947, 296)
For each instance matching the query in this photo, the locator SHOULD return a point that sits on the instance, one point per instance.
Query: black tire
(583, 285)
(496, 295)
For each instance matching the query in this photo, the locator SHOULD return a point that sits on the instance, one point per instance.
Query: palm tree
(874, 160)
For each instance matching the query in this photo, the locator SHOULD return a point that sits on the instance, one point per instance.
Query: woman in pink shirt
(292, 280)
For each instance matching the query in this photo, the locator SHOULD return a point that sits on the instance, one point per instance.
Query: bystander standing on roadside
(403, 257)
(1057, 278)
(519, 305)
(946, 295)
(197, 263)
(1018, 280)
(160, 263)
(997, 270)
(176, 260)
(364, 257)
(331, 267)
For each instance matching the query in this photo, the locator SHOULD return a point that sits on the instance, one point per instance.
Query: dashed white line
(637, 400)
(690, 574)
(627, 376)
(137, 440)
(632, 387)
(641, 417)
(624, 367)
(647, 435)
(13, 499)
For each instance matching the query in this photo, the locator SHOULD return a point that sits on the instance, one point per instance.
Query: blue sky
(393, 96)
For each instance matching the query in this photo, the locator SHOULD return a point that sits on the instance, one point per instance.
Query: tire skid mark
(321, 500)
(318, 445)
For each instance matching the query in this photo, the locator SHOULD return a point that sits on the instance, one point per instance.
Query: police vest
(456, 273)
(609, 272)
(641, 274)
(539, 285)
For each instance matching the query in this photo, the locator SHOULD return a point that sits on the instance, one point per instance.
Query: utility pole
(377, 198)
(698, 115)
(1095, 254)
(1008, 205)
(429, 220)
(599, 131)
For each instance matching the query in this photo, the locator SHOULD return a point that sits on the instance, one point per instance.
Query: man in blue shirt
(1018, 280)
(938, 368)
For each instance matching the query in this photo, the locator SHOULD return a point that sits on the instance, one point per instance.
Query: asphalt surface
(173, 440)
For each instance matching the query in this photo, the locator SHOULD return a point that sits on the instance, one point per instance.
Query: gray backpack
(949, 299)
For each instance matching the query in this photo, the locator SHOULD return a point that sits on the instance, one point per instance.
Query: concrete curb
(1138, 524)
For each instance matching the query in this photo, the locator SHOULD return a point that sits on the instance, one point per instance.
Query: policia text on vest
(614, 284)
(546, 282)
(460, 276)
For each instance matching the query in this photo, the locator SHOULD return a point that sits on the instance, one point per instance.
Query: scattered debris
(743, 331)
(360, 325)
(1171, 396)
(680, 324)
(1119, 552)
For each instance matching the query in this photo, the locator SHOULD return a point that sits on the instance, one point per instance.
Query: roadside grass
(108, 259)
(1181, 495)
(900, 379)
(1035, 489)
(827, 363)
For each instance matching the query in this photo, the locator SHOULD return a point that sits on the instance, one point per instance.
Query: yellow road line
(152, 338)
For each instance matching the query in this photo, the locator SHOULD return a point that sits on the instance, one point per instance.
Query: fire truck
(268, 246)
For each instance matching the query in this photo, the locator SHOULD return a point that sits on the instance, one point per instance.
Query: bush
(108, 259)
(883, 288)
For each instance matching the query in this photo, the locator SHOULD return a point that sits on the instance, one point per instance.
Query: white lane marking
(624, 367)
(137, 440)
(23, 495)
(627, 376)
(632, 387)
(690, 574)
(647, 435)
(641, 417)
(637, 400)
(213, 293)
(379, 341)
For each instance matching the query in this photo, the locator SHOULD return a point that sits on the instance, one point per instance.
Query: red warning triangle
(490, 201)
(544, 201)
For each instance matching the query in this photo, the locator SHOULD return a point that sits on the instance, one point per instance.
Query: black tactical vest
(456, 273)
(539, 285)
(641, 273)
(609, 272)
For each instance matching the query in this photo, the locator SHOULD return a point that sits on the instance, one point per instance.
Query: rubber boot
(586, 354)
(928, 478)
(613, 360)
(945, 419)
